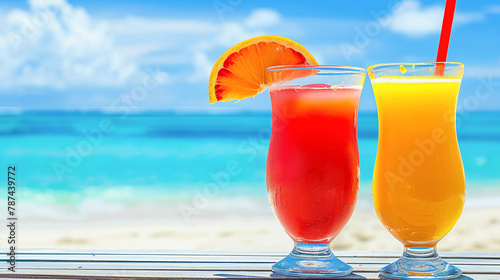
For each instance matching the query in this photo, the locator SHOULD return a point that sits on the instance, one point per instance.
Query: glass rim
(333, 69)
(451, 63)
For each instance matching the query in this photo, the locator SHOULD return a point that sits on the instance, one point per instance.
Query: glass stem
(421, 260)
(313, 250)
(421, 253)
(420, 263)
(312, 260)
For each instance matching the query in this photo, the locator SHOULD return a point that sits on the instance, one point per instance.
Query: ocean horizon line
(177, 111)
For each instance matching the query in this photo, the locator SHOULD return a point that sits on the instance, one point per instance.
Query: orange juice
(419, 182)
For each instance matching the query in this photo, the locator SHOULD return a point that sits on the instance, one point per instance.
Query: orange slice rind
(241, 71)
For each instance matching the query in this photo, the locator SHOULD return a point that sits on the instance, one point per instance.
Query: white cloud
(186, 42)
(56, 45)
(412, 19)
(135, 25)
(494, 9)
(463, 18)
(263, 18)
(476, 71)
(70, 49)
(202, 68)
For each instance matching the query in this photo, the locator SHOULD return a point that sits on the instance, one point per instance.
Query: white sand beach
(477, 230)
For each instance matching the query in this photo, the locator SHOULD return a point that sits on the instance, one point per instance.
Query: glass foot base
(420, 263)
(312, 260)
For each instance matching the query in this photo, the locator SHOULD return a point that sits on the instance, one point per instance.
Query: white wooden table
(129, 264)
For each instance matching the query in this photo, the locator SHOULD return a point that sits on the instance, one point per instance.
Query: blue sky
(157, 55)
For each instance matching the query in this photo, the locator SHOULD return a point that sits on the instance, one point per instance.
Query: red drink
(313, 159)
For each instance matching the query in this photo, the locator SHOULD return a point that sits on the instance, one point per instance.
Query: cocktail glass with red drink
(312, 169)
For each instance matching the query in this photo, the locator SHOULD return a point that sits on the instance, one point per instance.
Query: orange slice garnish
(241, 71)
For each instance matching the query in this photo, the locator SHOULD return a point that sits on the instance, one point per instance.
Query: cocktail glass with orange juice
(313, 161)
(418, 181)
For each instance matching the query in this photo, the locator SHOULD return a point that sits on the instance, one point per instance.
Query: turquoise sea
(70, 164)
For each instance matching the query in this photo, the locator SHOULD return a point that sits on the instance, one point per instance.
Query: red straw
(444, 40)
